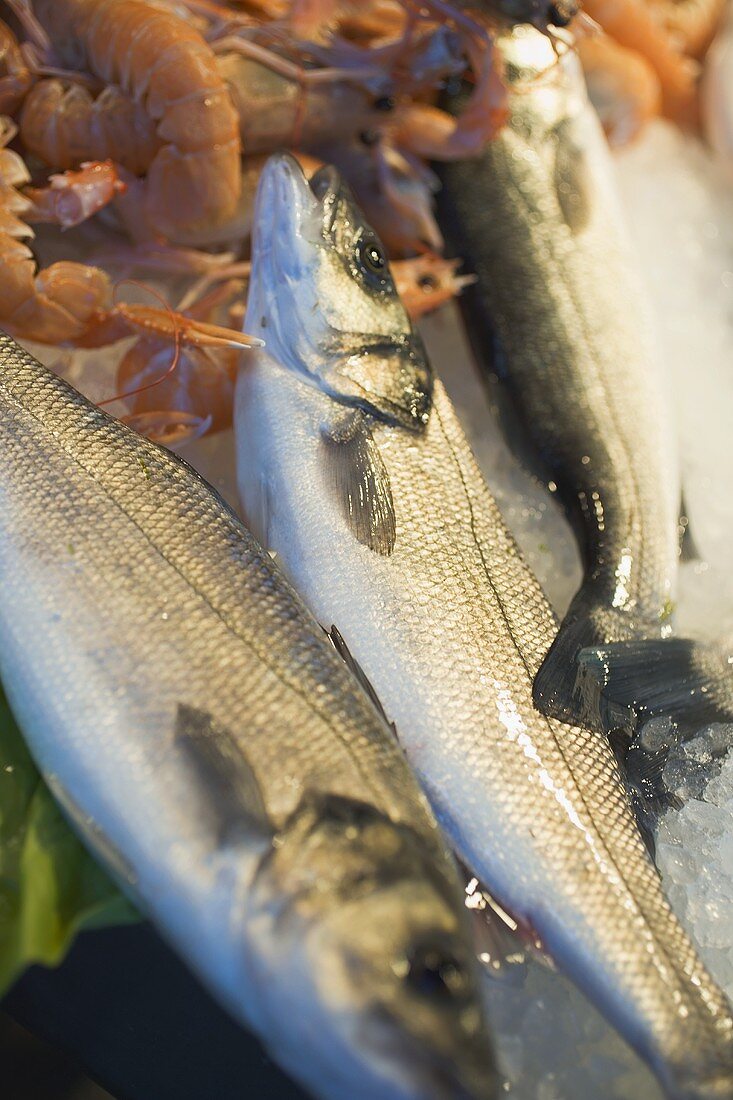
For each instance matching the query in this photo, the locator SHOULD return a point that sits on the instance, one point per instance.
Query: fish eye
(434, 972)
(371, 260)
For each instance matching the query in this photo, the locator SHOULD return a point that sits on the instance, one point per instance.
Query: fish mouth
(285, 205)
(287, 200)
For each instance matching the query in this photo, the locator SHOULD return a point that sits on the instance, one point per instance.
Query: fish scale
(214, 749)
(450, 627)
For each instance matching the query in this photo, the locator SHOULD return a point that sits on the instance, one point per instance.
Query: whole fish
(355, 471)
(558, 315)
(217, 753)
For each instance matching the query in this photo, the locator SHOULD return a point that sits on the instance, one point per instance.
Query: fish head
(323, 299)
(373, 934)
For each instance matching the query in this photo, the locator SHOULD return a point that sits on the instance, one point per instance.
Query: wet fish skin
(559, 309)
(213, 748)
(450, 628)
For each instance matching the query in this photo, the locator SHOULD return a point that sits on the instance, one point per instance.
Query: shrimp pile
(647, 61)
(138, 129)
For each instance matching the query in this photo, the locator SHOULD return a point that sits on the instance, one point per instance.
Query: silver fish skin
(559, 316)
(376, 510)
(218, 754)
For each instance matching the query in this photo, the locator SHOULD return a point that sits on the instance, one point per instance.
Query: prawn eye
(371, 261)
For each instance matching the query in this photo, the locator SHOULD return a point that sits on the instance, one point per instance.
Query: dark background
(122, 1017)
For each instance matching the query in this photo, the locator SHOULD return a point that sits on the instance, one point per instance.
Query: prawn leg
(72, 197)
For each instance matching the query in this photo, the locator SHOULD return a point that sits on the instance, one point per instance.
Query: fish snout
(285, 202)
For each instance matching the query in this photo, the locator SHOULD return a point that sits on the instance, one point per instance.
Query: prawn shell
(163, 64)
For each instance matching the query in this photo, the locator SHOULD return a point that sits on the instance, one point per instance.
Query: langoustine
(68, 302)
(357, 78)
(167, 105)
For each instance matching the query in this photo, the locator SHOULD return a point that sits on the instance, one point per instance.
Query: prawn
(428, 281)
(72, 303)
(16, 77)
(351, 89)
(168, 112)
(692, 23)
(634, 25)
(72, 197)
(434, 134)
(622, 85)
(276, 109)
(176, 400)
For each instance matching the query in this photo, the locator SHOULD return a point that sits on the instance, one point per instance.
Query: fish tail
(554, 690)
(625, 684)
(588, 625)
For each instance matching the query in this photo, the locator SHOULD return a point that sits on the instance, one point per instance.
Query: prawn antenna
(176, 326)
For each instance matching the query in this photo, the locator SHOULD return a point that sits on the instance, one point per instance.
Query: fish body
(355, 471)
(558, 316)
(215, 751)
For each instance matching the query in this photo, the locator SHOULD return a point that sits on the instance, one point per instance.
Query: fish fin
(590, 622)
(360, 482)
(625, 684)
(338, 643)
(688, 547)
(573, 184)
(223, 768)
(641, 766)
(554, 688)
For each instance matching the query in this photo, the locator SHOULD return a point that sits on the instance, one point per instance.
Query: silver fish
(558, 315)
(355, 471)
(217, 753)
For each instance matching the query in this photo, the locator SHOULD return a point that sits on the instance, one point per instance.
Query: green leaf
(50, 886)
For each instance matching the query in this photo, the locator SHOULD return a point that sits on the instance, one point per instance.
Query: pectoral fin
(573, 185)
(231, 785)
(359, 480)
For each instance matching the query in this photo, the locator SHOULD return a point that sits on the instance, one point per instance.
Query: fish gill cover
(50, 886)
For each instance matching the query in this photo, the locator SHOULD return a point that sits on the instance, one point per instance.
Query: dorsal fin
(336, 639)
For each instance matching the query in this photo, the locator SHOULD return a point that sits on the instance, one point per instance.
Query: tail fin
(553, 690)
(623, 685)
(642, 760)
(588, 623)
